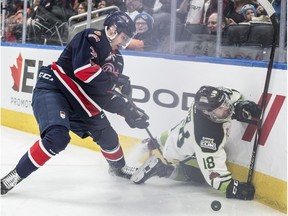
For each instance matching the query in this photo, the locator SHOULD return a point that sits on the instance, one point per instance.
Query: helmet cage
(122, 23)
(221, 114)
(214, 103)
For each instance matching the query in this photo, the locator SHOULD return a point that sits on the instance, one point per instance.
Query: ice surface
(77, 183)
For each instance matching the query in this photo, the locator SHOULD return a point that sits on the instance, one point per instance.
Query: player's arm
(212, 163)
(213, 167)
(85, 56)
(134, 116)
(243, 109)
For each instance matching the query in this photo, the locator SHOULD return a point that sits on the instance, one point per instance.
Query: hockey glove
(121, 85)
(246, 110)
(150, 144)
(135, 117)
(240, 190)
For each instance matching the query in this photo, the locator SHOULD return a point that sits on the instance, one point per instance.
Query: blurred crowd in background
(244, 24)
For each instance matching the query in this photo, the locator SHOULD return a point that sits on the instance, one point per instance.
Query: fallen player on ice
(197, 143)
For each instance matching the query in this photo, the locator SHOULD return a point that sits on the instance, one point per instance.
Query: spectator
(277, 7)
(250, 14)
(101, 4)
(234, 12)
(198, 11)
(82, 8)
(157, 6)
(196, 14)
(193, 10)
(95, 4)
(14, 6)
(119, 3)
(212, 27)
(248, 11)
(13, 31)
(75, 5)
(212, 23)
(211, 6)
(134, 7)
(145, 39)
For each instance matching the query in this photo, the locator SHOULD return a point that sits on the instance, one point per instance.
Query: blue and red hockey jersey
(85, 71)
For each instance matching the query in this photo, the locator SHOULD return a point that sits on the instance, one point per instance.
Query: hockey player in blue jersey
(71, 94)
(195, 146)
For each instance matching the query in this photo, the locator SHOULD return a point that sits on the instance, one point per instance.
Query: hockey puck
(216, 205)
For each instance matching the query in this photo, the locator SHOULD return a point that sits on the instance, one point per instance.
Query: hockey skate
(10, 181)
(124, 172)
(152, 167)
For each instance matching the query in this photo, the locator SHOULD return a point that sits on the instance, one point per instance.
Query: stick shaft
(265, 94)
(156, 145)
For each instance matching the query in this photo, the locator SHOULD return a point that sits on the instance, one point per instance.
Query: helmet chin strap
(109, 36)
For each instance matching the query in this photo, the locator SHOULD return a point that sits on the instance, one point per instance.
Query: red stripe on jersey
(38, 154)
(88, 73)
(78, 93)
(113, 155)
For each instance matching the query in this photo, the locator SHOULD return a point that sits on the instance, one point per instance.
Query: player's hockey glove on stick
(246, 110)
(150, 144)
(121, 85)
(240, 190)
(135, 117)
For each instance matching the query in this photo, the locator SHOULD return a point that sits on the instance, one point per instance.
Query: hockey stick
(156, 145)
(153, 140)
(118, 92)
(271, 12)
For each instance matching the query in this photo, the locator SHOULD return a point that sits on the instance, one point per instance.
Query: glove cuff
(229, 191)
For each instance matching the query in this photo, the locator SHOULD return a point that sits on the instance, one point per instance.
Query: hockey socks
(33, 159)
(116, 161)
(38, 154)
(115, 157)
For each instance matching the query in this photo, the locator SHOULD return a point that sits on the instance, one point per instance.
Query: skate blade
(145, 168)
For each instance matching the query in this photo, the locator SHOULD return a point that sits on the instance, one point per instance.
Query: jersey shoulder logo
(98, 33)
(95, 36)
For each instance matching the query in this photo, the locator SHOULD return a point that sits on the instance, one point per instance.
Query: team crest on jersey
(208, 143)
(109, 67)
(62, 114)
